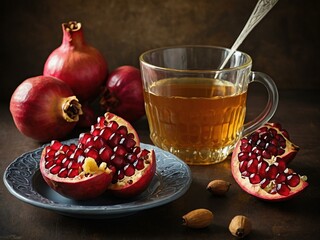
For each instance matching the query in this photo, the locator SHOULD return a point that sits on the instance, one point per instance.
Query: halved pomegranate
(110, 152)
(259, 164)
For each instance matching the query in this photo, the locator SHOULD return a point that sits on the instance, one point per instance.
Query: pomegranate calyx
(71, 109)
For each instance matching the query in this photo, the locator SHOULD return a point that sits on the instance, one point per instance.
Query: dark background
(284, 44)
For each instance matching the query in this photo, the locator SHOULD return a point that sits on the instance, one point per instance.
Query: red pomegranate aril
(63, 173)
(55, 169)
(243, 156)
(120, 174)
(73, 173)
(55, 145)
(139, 164)
(106, 133)
(264, 183)
(83, 138)
(262, 166)
(252, 166)
(120, 150)
(293, 180)
(92, 152)
(105, 154)
(118, 161)
(254, 178)
(49, 164)
(129, 170)
(131, 157)
(122, 130)
(114, 139)
(65, 162)
(113, 125)
(281, 177)
(243, 166)
(283, 189)
(272, 172)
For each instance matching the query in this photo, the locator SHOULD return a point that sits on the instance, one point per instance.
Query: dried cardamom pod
(218, 187)
(240, 226)
(198, 218)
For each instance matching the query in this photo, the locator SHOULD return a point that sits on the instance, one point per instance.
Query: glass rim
(242, 66)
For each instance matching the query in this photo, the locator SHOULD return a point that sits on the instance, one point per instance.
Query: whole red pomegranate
(107, 157)
(259, 164)
(44, 108)
(124, 93)
(77, 63)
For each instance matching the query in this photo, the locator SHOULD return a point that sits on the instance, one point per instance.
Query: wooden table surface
(298, 218)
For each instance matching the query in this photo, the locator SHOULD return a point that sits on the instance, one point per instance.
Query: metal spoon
(260, 10)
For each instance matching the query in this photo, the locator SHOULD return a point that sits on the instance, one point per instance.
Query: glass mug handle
(272, 102)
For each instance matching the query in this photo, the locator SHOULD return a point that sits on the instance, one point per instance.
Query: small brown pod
(240, 226)
(198, 218)
(218, 187)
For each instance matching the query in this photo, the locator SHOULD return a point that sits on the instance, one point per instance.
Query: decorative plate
(24, 181)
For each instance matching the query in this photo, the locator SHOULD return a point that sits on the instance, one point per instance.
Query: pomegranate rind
(255, 189)
(140, 180)
(78, 188)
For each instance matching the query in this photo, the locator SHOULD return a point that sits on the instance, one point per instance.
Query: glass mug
(195, 110)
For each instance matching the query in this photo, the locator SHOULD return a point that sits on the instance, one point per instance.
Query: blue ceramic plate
(23, 180)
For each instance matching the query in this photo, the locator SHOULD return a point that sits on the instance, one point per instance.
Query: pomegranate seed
(272, 172)
(92, 152)
(136, 150)
(281, 177)
(143, 154)
(78, 152)
(281, 151)
(106, 133)
(280, 164)
(64, 148)
(95, 131)
(252, 166)
(49, 164)
(65, 162)
(55, 145)
(55, 169)
(118, 161)
(73, 165)
(73, 173)
(114, 139)
(283, 189)
(113, 125)
(262, 166)
(98, 142)
(122, 130)
(264, 183)
(252, 155)
(120, 150)
(254, 178)
(130, 135)
(266, 154)
(60, 158)
(63, 173)
(285, 133)
(50, 152)
(131, 157)
(139, 164)
(129, 143)
(129, 170)
(120, 174)
(246, 148)
(83, 138)
(105, 153)
(72, 147)
(243, 156)
(293, 180)
(243, 166)
(272, 132)
(101, 122)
